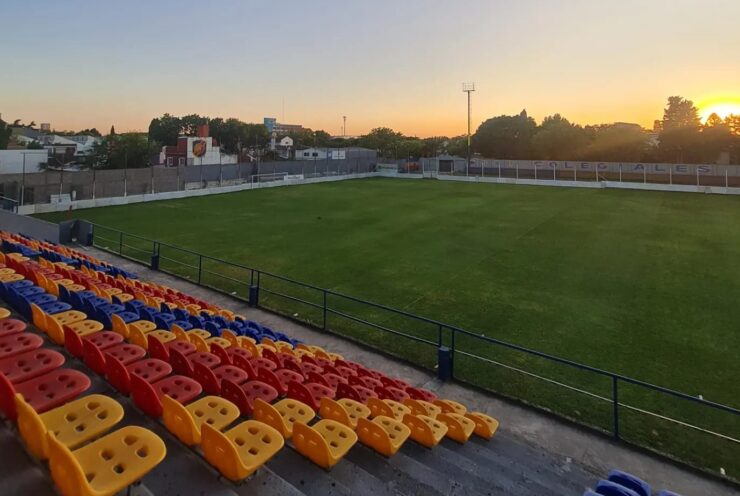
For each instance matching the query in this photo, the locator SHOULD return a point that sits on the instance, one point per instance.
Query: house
(349, 153)
(195, 150)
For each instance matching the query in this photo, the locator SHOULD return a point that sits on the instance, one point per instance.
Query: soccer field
(644, 284)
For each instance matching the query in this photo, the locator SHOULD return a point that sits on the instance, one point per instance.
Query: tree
(716, 138)
(34, 145)
(620, 142)
(680, 131)
(90, 132)
(190, 123)
(116, 151)
(383, 139)
(5, 132)
(112, 131)
(558, 139)
(165, 129)
(505, 137)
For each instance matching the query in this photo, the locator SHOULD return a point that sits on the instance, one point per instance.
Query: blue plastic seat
(609, 488)
(666, 492)
(213, 328)
(184, 324)
(164, 308)
(110, 308)
(164, 320)
(134, 305)
(197, 322)
(128, 317)
(55, 307)
(180, 314)
(629, 481)
(589, 492)
(147, 313)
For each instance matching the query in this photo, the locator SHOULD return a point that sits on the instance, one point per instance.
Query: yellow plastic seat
(282, 415)
(485, 426)
(6, 271)
(224, 343)
(383, 434)
(459, 427)
(248, 344)
(284, 347)
(335, 356)
(142, 325)
(238, 452)
(262, 346)
(319, 352)
(421, 407)
(301, 352)
(86, 327)
(124, 297)
(425, 430)
(387, 408)
(73, 288)
(38, 317)
(4, 313)
(200, 343)
(185, 421)
(11, 277)
(450, 406)
(162, 335)
(119, 325)
(68, 317)
(73, 423)
(229, 336)
(345, 411)
(107, 465)
(324, 443)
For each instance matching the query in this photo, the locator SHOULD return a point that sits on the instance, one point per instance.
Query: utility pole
(468, 88)
(344, 126)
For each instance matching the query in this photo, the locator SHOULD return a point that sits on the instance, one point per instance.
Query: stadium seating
(620, 483)
(199, 368)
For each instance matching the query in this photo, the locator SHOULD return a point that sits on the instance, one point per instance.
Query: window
(181, 161)
(169, 160)
(315, 154)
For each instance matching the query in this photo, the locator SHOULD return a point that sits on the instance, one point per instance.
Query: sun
(721, 106)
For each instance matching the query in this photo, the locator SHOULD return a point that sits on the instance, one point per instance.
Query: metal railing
(684, 427)
(8, 204)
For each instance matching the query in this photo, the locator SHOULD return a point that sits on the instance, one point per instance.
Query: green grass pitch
(644, 284)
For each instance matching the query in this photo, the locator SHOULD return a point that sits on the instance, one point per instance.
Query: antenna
(468, 88)
(344, 126)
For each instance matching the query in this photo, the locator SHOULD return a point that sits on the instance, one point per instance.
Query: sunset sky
(396, 63)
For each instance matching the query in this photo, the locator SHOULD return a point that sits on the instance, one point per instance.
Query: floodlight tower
(344, 126)
(468, 88)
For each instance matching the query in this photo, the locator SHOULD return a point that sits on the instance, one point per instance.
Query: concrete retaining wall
(30, 226)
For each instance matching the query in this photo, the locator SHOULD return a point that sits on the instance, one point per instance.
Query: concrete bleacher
(531, 454)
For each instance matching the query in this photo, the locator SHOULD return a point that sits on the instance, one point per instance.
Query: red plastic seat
(11, 326)
(149, 369)
(307, 367)
(392, 393)
(270, 378)
(421, 394)
(269, 354)
(243, 395)
(357, 393)
(294, 366)
(147, 395)
(367, 381)
(287, 375)
(263, 362)
(309, 393)
(232, 351)
(245, 364)
(25, 366)
(15, 344)
(221, 353)
(104, 339)
(396, 383)
(211, 379)
(43, 392)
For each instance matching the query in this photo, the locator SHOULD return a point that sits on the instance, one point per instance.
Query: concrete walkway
(578, 454)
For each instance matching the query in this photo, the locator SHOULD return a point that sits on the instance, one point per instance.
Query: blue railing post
(200, 267)
(120, 243)
(90, 236)
(323, 325)
(254, 291)
(615, 405)
(154, 262)
(444, 358)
